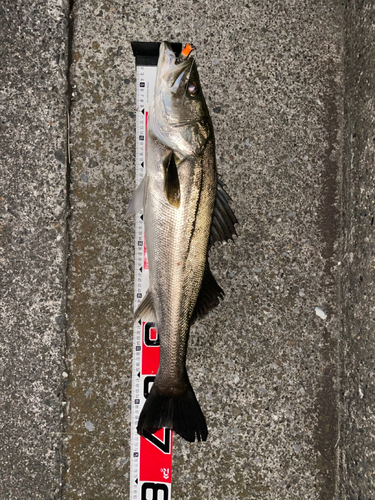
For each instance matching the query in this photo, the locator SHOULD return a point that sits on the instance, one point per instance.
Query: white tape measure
(151, 456)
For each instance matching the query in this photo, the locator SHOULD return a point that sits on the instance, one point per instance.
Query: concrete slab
(33, 46)
(284, 367)
(100, 272)
(358, 276)
(264, 364)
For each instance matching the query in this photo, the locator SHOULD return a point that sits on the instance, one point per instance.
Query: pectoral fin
(223, 219)
(209, 295)
(137, 202)
(171, 181)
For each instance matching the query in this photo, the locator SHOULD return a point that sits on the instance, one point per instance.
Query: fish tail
(181, 413)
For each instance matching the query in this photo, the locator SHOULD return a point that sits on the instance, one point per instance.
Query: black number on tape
(150, 331)
(154, 488)
(164, 446)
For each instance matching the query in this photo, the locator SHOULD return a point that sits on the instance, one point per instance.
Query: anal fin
(209, 295)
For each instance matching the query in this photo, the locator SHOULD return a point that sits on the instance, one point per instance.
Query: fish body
(179, 194)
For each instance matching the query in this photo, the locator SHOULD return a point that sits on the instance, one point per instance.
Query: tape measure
(151, 454)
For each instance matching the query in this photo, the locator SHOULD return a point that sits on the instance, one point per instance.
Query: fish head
(179, 115)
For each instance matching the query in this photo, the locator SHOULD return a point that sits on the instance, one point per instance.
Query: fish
(185, 211)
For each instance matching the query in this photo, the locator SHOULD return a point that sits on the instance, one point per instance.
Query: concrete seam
(68, 104)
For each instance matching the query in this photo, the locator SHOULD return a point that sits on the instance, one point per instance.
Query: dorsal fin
(209, 295)
(223, 220)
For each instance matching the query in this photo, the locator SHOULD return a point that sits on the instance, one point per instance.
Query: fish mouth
(170, 69)
(167, 59)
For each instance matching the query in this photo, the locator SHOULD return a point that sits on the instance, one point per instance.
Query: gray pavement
(32, 234)
(357, 278)
(284, 367)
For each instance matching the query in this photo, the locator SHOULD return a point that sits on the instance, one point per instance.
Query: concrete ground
(284, 367)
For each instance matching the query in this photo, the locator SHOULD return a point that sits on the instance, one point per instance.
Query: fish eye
(192, 89)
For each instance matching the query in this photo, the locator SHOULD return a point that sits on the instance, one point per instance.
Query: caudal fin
(180, 413)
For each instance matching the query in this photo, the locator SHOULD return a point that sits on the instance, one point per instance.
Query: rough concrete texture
(100, 270)
(32, 233)
(263, 364)
(284, 367)
(358, 258)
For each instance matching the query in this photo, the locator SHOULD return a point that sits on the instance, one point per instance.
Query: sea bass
(185, 210)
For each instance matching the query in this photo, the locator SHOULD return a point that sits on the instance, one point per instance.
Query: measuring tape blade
(151, 455)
